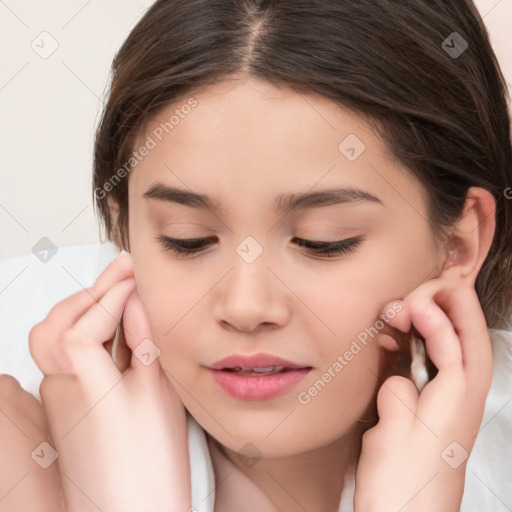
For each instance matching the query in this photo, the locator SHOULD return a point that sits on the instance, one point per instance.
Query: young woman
(301, 189)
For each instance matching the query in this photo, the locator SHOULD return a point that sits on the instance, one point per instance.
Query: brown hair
(440, 107)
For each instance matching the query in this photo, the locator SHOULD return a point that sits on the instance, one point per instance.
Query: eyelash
(187, 246)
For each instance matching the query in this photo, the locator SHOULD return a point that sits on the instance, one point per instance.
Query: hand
(29, 475)
(121, 435)
(415, 458)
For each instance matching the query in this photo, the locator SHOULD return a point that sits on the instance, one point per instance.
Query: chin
(258, 440)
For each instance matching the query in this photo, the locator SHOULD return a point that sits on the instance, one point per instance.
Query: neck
(312, 480)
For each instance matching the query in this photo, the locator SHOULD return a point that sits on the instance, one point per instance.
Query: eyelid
(319, 247)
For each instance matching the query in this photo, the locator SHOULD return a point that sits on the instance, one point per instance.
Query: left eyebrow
(283, 203)
(306, 200)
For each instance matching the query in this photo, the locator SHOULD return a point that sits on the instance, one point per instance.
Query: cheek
(345, 386)
(344, 305)
(171, 301)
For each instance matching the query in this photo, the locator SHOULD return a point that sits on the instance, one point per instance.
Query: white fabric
(29, 288)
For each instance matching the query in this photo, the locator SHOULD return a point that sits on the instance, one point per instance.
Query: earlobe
(471, 238)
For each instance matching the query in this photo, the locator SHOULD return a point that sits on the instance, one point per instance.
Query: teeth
(268, 369)
(262, 370)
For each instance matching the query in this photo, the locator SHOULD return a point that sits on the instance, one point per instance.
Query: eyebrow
(283, 203)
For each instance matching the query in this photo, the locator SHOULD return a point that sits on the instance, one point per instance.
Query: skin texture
(244, 143)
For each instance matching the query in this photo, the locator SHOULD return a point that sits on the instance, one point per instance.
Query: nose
(252, 298)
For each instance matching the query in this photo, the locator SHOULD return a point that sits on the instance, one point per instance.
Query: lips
(257, 377)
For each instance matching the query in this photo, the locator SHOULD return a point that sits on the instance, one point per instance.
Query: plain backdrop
(54, 66)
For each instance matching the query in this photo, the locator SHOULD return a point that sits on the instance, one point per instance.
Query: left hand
(415, 458)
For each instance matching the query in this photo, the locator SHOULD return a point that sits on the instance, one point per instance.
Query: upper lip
(254, 361)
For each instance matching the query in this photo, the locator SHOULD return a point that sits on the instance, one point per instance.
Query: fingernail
(388, 342)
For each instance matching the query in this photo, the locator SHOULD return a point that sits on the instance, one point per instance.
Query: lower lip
(258, 387)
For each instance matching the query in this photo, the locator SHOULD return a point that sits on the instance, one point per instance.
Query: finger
(430, 320)
(461, 306)
(395, 314)
(80, 350)
(442, 343)
(119, 269)
(427, 289)
(139, 339)
(100, 322)
(397, 322)
(465, 312)
(397, 401)
(19, 403)
(57, 352)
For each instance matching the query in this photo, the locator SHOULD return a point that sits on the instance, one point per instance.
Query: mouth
(257, 377)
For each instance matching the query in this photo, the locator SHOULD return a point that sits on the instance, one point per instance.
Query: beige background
(49, 108)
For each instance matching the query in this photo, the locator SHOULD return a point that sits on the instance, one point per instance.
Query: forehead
(250, 138)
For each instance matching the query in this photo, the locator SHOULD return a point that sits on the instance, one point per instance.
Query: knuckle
(38, 342)
(35, 331)
(53, 351)
(35, 336)
(9, 386)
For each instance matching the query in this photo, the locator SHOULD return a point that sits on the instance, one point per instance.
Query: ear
(471, 238)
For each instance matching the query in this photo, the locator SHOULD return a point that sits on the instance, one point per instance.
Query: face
(256, 282)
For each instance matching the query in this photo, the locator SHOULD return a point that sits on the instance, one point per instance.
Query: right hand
(121, 436)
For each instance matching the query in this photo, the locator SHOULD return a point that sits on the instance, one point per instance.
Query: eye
(184, 246)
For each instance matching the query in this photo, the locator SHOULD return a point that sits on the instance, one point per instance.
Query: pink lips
(272, 375)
